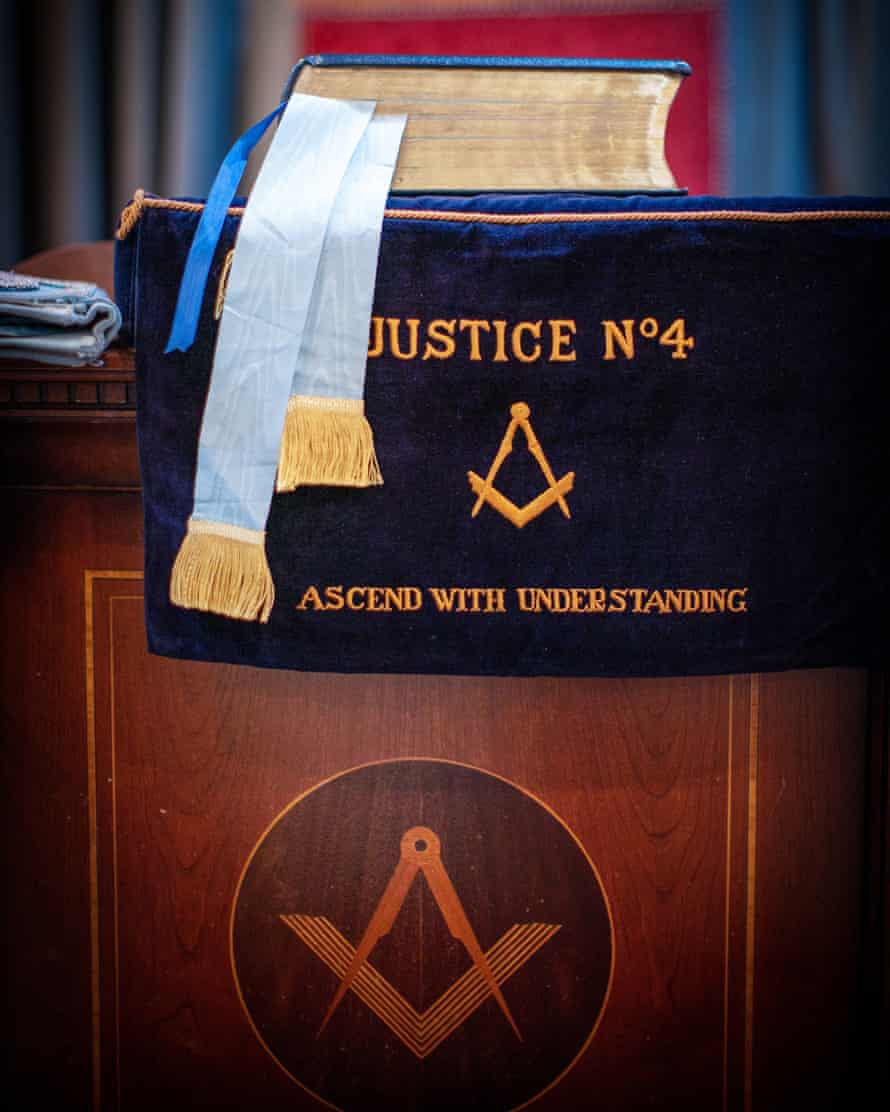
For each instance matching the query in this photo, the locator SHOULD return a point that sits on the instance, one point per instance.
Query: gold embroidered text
(528, 600)
(648, 329)
(496, 341)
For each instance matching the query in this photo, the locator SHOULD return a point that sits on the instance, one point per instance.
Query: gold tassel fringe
(327, 442)
(223, 569)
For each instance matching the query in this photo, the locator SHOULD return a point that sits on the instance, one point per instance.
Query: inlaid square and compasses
(423, 1031)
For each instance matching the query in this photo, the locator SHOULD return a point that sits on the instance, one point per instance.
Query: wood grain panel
(811, 781)
(69, 428)
(874, 966)
(726, 816)
(46, 806)
(66, 461)
(639, 770)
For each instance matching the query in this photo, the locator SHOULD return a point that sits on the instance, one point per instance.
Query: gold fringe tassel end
(327, 442)
(223, 569)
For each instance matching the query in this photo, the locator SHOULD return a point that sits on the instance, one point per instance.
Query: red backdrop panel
(693, 36)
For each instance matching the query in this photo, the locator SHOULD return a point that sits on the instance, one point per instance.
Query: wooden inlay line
(92, 805)
(112, 729)
(89, 579)
(726, 930)
(750, 924)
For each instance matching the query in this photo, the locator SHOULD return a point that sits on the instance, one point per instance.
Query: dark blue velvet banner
(618, 437)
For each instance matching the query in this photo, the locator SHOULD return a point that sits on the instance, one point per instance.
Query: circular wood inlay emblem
(418, 934)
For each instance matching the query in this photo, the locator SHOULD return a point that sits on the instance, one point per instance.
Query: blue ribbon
(203, 248)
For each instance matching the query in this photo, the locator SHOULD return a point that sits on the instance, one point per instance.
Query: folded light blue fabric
(51, 321)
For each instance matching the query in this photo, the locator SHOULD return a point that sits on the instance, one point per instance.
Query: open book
(518, 124)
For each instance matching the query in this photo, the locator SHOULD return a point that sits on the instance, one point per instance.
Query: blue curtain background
(809, 90)
(99, 97)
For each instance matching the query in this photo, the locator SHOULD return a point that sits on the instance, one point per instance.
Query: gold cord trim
(140, 202)
(223, 284)
(133, 211)
(130, 216)
(633, 217)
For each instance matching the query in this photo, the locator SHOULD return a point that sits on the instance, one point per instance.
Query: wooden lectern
(728, 837)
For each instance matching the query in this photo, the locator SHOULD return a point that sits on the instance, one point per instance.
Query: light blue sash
(295, 321)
